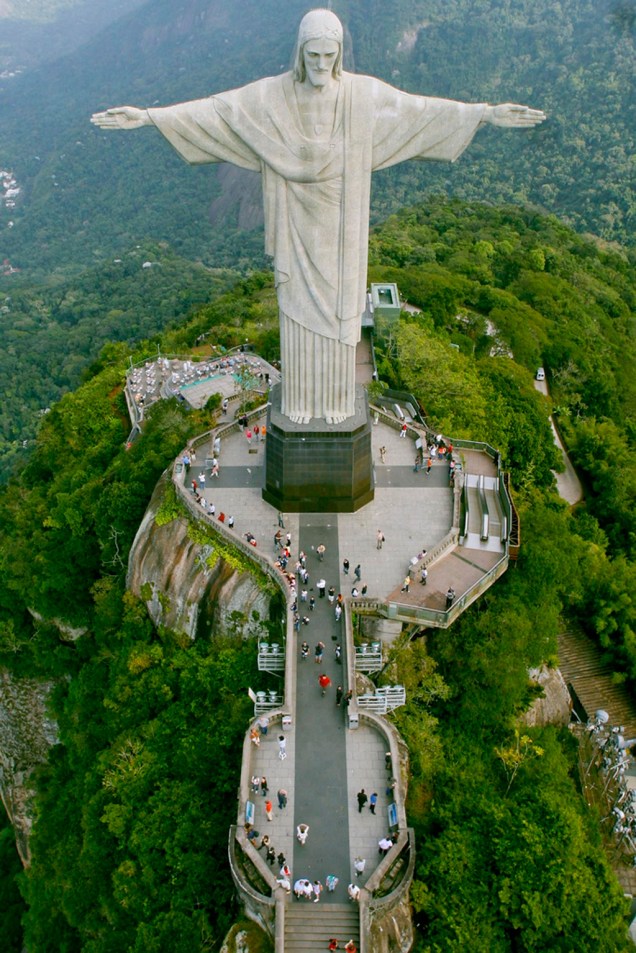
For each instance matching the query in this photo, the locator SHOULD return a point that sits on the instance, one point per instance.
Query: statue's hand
(122, 117)
(510, 115)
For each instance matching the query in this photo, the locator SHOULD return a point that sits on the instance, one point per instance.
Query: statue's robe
(316, 197)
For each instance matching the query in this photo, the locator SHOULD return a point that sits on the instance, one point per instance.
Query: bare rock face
(26, 734)
(391, 931)
(182, 591)
(556, 705)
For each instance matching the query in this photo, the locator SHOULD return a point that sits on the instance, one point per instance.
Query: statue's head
(317, 25)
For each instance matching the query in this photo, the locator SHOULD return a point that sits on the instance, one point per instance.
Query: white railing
(267, 701)
(383, 700)
(368, 658)
(271, 657)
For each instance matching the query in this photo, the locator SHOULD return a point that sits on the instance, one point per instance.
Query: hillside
(129, 845)
(83, 195)
(40, 31)
(51, 333)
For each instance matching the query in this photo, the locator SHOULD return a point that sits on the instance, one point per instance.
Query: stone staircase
(309, 926)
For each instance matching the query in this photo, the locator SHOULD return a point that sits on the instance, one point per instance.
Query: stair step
(309, 926)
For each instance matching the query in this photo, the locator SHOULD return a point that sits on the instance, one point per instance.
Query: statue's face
(319, 57)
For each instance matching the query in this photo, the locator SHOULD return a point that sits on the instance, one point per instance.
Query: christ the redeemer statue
(316, 134)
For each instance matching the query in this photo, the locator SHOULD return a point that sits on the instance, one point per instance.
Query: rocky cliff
(184, 588)
(26, 734)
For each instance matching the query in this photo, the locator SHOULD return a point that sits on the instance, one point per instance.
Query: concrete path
(321, 754)
(568, 483)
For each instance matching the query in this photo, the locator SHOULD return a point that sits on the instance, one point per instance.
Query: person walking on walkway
(338, 612)
(320, 552)
(373, 800)
(282, 747)
(345, 566)
(318, 888)
(379, 539)
(406, 584)
(333, 944)
(359, 865)
(318, 652)
(302, 833)
(339, 693)
(354, 892)
(423, 575)
(382, 454)
(357, 572)
(331, 595)
(324, 681)
(321, 586)
(264, 787)
(269, 810)
(282, 801)
(362, 800)
(450, 597)
(332, 882)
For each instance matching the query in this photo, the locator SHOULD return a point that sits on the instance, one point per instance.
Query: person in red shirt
(324, 681)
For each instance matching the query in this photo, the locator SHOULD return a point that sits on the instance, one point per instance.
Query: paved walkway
(413, 511)
(568, 484)
(327, 764)
(321, 756)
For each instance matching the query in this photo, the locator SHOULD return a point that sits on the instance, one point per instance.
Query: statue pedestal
(318, 467)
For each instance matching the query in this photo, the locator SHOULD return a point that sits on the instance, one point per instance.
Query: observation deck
(458, 531)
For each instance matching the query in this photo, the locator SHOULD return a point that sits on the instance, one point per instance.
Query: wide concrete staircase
(309, 926)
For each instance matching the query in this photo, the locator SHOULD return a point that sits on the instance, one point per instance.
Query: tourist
(384, 846)
(359, 865)
(302, 833)
(354, 892)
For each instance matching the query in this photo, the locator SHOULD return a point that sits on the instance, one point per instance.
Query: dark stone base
(318, 467)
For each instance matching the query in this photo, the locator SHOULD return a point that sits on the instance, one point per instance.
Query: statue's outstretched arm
(510, 115)
(122, 117)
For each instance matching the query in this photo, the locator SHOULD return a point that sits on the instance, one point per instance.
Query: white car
(541, 374)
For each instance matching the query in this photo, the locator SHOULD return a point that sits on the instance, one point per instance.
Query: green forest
(135, 801)
(51, 333)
